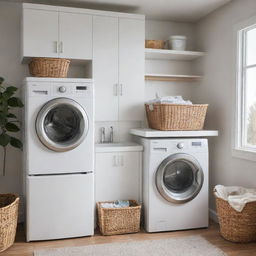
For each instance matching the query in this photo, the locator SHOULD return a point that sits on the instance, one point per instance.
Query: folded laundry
(116, 204)
(169, 100)
(237, 197)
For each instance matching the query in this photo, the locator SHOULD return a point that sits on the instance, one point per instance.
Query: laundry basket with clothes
(236, 208)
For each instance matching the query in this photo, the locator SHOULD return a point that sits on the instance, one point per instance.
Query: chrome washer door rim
(187, 195)
(40, 129)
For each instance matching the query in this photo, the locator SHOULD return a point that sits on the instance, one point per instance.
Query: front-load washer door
(62, 124)
(179, 178)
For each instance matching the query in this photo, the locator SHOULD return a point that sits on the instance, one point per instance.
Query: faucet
(102, 135)
(111, 134)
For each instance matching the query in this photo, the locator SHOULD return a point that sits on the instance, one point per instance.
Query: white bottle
(177, 43)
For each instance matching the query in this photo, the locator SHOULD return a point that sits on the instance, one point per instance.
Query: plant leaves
(9, 91)
(16, 143)
(1, 80)
(3, 119)
(11, 127)
(15, 102)
(4, 139)
(11, 115)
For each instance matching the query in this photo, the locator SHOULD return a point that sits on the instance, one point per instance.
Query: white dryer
(59, 157)
(175, 183)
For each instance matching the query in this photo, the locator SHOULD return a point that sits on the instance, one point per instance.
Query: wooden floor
(21, 248)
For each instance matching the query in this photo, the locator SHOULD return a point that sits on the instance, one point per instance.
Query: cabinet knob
(62, 89)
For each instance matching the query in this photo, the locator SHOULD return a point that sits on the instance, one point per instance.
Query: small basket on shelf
(175, 117)
(155, 44)
(49, 67)
(115, 221)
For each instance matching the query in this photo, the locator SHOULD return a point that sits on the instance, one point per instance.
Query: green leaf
(4, 139)
(16, 143)
(11, 115)
(9, 91)
(3, 119)
(12, 127)
(1, 80)
(15, 102)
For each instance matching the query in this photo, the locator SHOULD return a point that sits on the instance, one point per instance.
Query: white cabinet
(131, 69)
(105, 67)
(75, 32)
(51, 33)
(118, 176)
(40, 33)
(118, 68)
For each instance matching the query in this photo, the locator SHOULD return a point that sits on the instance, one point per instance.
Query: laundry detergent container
(175, 117)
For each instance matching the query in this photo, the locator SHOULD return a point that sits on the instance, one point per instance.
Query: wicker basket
(155, 44)
(49, 67)
(8, 219)
(114, 221)
(171, 117)
(237, 226)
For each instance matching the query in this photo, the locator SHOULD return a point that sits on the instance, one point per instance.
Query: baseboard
(213, 215)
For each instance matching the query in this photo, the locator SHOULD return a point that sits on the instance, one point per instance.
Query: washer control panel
(180, 145)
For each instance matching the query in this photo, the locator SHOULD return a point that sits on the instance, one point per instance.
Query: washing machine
(175, 183)
(58, 157)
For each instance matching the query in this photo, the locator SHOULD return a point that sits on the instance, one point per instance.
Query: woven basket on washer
(171, 117)
(8, 219)
(49, 67)
(237, 226)
(114, 221)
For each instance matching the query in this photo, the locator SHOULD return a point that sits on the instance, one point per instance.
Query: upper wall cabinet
(51, 33)
(118, 68)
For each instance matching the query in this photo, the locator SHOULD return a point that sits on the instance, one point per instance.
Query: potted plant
(9, 124)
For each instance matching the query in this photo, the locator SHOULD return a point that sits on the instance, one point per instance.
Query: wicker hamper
(8, 219)
(237, 226)
(171, 117)
(49, 67)
(114, 221)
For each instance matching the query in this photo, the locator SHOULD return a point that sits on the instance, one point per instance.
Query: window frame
(238, 148)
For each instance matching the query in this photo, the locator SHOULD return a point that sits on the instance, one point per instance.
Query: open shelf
(172, 77)
(164, 54)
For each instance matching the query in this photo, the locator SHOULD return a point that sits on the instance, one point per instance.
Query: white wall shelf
(172, 77)
(164, 54)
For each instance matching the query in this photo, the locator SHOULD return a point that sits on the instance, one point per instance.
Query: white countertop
(118, 147)
(151, 133)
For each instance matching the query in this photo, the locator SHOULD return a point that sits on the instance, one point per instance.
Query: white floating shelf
(163, 54)
(171, 77)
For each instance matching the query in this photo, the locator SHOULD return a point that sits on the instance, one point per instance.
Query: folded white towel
(237, 197)
(170, 100)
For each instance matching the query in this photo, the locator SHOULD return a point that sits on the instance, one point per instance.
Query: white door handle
(61, 47)
(56, 46)
(121, 89)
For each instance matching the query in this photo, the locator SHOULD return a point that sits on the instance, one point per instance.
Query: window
(246, 90)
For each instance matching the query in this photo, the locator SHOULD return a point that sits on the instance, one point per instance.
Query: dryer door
(179, 178)
(62, 124)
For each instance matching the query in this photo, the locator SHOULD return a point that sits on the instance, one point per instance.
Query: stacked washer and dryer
(58, 158)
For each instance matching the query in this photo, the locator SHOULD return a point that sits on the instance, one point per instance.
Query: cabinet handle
(115, 89)
(61, 47)
(56, 46)
(121, 89)
(114, 161)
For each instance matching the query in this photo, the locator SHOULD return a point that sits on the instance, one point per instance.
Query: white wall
(215, 36)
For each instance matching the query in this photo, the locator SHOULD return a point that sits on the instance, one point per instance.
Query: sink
(118, 146)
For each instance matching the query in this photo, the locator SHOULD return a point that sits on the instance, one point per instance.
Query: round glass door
(179, 178)
(62, 124)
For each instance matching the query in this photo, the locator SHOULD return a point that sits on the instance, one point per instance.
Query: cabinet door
(75, 32)
(118, 176)
(40, 33)
(131, 69)
(105, 67)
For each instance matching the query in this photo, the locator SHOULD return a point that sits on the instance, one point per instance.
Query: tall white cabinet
(118, 68)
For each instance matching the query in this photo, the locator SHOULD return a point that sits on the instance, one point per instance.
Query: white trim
(213, 215)
(238, 150)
